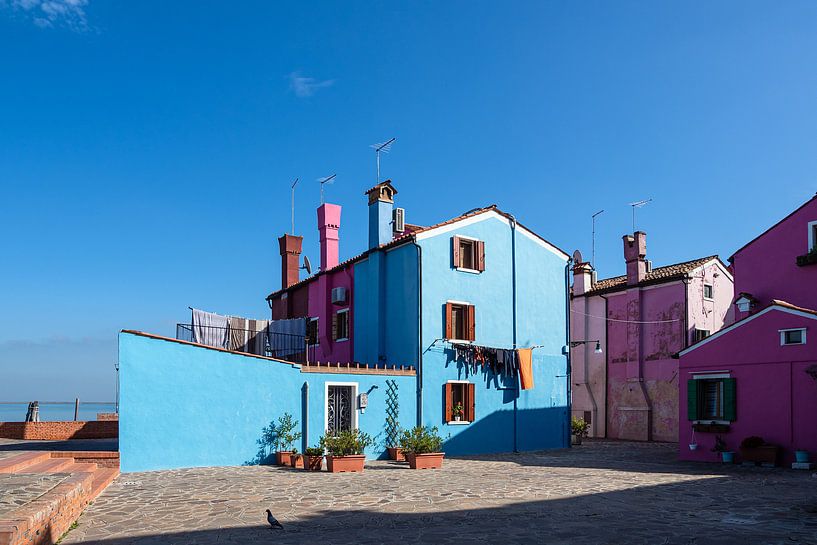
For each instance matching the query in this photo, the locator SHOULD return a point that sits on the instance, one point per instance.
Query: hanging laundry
(524, 357)
(238, 334)
(210, 329)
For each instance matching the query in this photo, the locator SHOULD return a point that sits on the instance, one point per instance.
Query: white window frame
(461, 422)
(476, 257)
(346, 338)
(812, 236)
(783, 336)
(712, 289)
(355, 409)
(714, 375)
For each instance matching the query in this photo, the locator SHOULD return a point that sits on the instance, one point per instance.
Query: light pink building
(640, 321)
(758, 377)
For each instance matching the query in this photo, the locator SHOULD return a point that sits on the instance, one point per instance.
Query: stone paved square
(598, 493)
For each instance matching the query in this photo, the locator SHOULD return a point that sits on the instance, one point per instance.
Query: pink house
(325, 297)
(625, 331)
(758, 377)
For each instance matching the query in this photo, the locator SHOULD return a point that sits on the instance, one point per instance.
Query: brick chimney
(635, 254)
(381, 205)
(290, 246)
(328, 225)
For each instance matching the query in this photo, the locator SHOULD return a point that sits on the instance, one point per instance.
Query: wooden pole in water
(76, 409)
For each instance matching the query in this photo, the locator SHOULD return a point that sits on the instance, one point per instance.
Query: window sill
(342, 340)
(459, 341)
(466, 270)
(711, 427)
(458, 422)
(710, 299)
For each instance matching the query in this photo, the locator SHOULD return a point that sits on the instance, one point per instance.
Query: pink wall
(776, 399)
(766, 267)
(632, 388)
(321, 306)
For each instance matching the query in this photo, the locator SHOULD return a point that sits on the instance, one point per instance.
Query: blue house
(466, 319)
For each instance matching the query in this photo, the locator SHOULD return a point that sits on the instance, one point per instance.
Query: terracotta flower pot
(432, 460)
(313, 463)
(396, 453)
(343, 464)
(282, 457)
(296, 461)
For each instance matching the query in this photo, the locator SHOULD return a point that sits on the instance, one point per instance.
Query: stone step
(15, 464)
(102, 478)
(82, 467)
(51, 465)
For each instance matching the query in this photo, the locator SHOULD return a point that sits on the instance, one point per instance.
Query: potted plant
(458, 411)
(801, 456)
(579, 429)
(393, 433)
(692, 444)
(313, 459)
(727, 456)
(296, 461)
(344, 451)
(755, 449)
(422, 447)
(285, 436)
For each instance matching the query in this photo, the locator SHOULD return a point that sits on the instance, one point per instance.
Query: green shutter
(729, 400)
(692, 399)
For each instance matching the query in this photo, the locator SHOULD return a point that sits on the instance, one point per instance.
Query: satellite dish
(307, 265)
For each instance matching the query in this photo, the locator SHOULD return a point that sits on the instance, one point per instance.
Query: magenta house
(625, 331)
(758, 376)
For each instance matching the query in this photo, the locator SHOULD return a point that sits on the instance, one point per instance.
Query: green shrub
(579, 427)
(346, 442)
(421, 440)
(282, 435)
(314, 451)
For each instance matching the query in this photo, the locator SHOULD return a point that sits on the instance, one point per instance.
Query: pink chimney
(635, 254)
(328, 225)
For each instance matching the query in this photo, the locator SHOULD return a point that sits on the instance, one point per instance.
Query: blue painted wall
(188, 406)
(541, 413)
(386, 307)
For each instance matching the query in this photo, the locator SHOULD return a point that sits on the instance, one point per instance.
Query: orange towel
(523, 355)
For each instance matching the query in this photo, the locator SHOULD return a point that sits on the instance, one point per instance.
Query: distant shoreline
(59, 402)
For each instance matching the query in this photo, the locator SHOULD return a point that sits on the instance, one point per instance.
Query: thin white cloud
(304, 86)
(51, 13)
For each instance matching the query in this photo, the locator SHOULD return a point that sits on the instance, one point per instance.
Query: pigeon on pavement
(273, 522)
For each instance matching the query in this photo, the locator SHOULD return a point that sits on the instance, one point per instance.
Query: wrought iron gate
(339, 407)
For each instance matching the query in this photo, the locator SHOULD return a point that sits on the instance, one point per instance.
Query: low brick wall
(60, 431)
(107, 416)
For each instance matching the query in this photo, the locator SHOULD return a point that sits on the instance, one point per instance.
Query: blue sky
(147, 148)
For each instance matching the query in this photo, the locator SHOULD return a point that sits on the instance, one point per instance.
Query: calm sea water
(16, 412)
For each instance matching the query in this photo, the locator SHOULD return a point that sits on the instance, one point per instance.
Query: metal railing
(283, 346)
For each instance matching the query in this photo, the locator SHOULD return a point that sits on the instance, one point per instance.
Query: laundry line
(627, 321)
(472, 343)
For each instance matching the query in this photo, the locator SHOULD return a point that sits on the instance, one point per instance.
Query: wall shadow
(666, 514)
(71, 445)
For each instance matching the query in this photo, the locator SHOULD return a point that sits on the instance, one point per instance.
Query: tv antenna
(384, 147)
(593, 246)
(638, 204)
(293, 204)
(326, 180)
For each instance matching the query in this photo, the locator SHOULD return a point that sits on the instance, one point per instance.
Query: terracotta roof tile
(658, 275)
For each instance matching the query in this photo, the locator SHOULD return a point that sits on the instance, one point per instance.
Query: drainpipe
(419, 333)
(513, 285)
(568, 373)
(606, 356)
(305, 441)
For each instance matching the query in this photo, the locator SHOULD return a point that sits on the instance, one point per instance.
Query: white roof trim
(717, 262)
(453, 226)
(746, 321)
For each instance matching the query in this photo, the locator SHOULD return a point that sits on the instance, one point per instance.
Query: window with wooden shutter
(470, 405)
(448, 409)
(455, 252)
(334, 327)
(449, 321)
(472, 326)
(459, 395)
(480, 250)
(460, 321)
(692, 399)
(730, 399)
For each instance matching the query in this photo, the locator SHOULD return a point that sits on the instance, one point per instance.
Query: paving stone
(601, 492)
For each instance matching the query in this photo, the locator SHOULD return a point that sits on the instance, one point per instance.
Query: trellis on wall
(392, 413)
